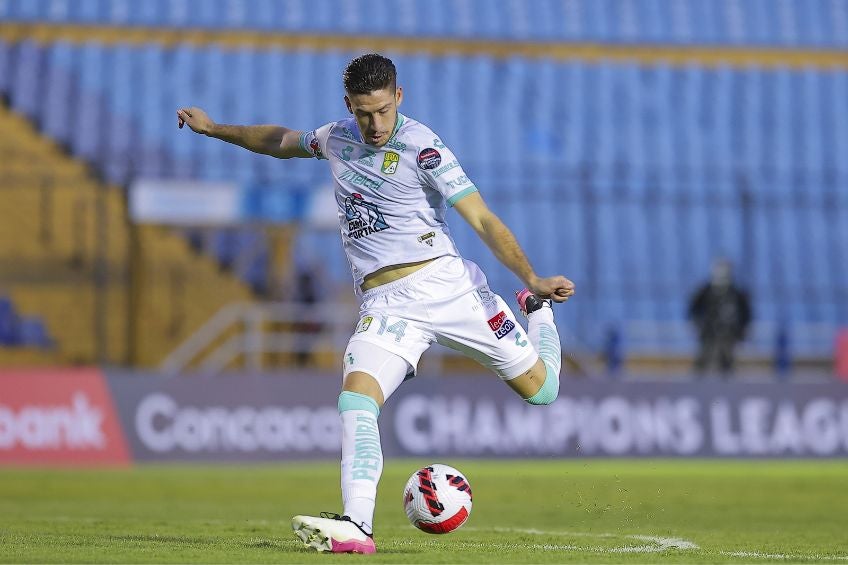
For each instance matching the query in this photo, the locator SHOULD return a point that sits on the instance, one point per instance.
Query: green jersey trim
(460, 195)
(398, 122)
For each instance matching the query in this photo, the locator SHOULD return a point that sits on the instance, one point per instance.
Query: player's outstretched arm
(503, 244)
(276, 141)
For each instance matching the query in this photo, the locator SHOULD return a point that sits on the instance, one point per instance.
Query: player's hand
(558, 288)
(196, 119)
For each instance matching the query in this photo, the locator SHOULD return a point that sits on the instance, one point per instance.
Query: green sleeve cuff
(461, 194)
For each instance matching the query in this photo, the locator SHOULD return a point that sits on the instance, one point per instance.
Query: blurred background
(643, 148)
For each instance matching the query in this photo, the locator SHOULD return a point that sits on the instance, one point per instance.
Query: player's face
(376, 113)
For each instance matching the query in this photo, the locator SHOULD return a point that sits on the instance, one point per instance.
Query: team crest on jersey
(501, 325)
(390, 163)
(427, 238)
(363, 217)
(429, 159)
(364, 324)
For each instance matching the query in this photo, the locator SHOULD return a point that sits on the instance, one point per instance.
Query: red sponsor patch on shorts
(497, 321)
(501, 325)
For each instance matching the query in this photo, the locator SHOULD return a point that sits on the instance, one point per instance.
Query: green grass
(582, 511)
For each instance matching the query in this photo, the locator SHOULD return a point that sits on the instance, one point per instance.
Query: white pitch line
(667, 543)
(660, 543)
(759, 555)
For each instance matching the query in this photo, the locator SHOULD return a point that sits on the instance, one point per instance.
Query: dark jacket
(720, 310)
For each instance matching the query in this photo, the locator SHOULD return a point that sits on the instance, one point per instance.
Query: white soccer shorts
(447, 302)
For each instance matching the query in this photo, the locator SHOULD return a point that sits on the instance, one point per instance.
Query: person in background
(721, 312)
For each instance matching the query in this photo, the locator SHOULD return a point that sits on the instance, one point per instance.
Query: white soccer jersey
(392, 199)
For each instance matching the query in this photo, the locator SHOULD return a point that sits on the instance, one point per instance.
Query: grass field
(524, 512)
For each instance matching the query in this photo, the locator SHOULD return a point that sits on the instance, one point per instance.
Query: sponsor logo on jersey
(501, 325)
(361, 180)
(396, 145)
(427, 238)
(367, 159)
(315, 147)
(445, 168)
(363, 217)
(347, 134)
(486, 295)
(429, 159)
(461, 180)
(364, 324)
(390, 163)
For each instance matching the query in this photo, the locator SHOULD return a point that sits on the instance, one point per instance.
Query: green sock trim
(355, 401)
(550, 388)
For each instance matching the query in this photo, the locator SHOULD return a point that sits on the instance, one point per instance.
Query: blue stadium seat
(121, 148)
(9, 323)
(33, 333)
(577, 117)
(25, 11)
(262, 15)
(478, 130)
(57, 113)
(451, 87)
(5, 67)
(812, 154)
(182, 89)
(26, 91)
(91, 11)
(88, 133)
(828, 130)
(840, 106)
(706, 28)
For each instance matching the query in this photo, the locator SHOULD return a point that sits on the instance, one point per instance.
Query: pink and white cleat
(333, 533)
(529, 302)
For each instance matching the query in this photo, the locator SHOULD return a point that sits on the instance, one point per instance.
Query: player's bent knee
(549, 391)
(349, 400)
(364, 383)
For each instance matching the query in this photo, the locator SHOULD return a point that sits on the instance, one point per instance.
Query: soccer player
(394, 179)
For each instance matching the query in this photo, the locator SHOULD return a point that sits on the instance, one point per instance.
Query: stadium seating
(603, 154)
(810, 23)
(23, 338)
(49, 257)
(18, 330)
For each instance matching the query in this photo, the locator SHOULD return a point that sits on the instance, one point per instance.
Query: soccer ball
(437, 499)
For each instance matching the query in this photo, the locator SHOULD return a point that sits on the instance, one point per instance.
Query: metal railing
(246, 331)
(251, 338)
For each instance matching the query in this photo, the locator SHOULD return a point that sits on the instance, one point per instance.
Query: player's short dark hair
(368, 73)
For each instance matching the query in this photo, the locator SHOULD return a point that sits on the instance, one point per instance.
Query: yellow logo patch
(390, 162)
(364, 324)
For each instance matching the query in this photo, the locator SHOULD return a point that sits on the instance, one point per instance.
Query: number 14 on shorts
(382, 326)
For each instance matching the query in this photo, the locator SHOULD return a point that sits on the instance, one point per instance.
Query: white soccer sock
(543, 334)
(362, 465)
